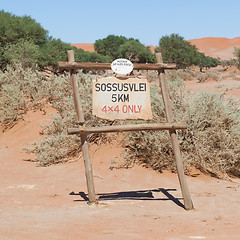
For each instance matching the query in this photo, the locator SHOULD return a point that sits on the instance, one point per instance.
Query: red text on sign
(123, 109)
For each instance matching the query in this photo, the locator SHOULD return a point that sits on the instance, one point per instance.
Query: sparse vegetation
(211, 143)
(185, 75)
(20, 90)
(56, 145)
(203, 76)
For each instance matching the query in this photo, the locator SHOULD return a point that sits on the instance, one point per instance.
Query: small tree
(16, 32)
(207, 62)
(136, 52)
(53, 52)
(109, 46)
(13, 28)
(23, 52)
(175, 49)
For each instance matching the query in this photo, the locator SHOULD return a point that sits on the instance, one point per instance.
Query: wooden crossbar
(130, 127)
(107, 66)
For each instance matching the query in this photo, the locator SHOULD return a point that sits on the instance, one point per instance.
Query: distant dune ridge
(211, 46)
(216, 46)
(85, 46)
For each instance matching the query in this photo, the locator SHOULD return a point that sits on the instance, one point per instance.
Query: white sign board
(122, 66)
(121, 99)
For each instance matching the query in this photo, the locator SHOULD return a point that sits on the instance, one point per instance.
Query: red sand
(85, 46)
(152, 48)
(216, 46)
(230, 87)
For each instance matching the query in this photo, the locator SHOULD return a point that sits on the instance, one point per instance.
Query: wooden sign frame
(170, 125)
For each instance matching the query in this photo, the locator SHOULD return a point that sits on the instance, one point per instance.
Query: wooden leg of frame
(88, 169)
(182, 180)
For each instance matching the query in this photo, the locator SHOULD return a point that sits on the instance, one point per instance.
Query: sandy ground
(136, 203)
(228, 87)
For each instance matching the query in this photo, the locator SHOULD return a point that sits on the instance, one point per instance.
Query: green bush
(175, 49)
(185, 75)
(12, 104)
(114, 47)
(24, 89)
(207, 62)
(22, 52)
(109, 46)
(136, 52)
(211, 143)
(24, 41)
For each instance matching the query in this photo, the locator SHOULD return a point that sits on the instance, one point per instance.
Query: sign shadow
(143, 195)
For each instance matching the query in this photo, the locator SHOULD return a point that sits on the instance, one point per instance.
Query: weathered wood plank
(84, 143)
(174, 139)
(76, 97)
(125, 128)
(88, 169)
(107, 66)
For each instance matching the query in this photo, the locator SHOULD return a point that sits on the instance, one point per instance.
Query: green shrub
(211, 143)
(24, 89)
(12, 104)
(23, 40)
(55, 147)
(23, 52)
(175, 49)
(136, 52)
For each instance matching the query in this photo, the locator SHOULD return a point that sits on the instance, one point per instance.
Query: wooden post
(80, 118)
(174, 139)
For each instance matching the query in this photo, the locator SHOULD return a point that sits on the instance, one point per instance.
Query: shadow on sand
(143, 195)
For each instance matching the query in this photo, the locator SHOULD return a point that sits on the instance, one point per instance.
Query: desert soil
(136, 203)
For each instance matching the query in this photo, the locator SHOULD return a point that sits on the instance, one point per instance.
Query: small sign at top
(122, 66)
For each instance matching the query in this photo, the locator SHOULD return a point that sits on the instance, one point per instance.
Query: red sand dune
(85, 46)
(216, 46)
(152, 48)
(211, 46)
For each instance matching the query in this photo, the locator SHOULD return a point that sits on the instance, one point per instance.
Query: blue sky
(147, 20)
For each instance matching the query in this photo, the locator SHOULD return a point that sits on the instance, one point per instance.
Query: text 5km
(123, 109)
